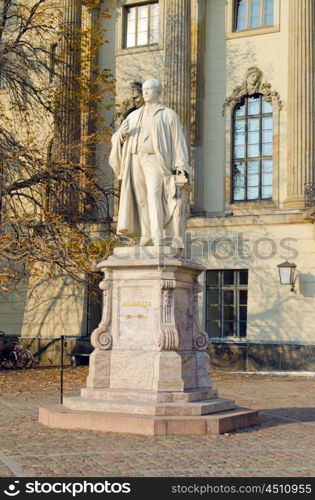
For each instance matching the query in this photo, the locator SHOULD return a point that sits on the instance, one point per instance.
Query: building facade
(240, 74)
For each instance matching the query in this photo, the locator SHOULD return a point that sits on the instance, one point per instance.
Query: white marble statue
(147, 150)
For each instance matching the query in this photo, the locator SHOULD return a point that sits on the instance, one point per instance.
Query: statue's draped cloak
(170, 148)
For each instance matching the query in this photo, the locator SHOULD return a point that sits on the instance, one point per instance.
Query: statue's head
(252, 76)
(151, 90)
(136, 89)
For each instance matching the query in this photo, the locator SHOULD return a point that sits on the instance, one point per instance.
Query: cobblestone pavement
(284, 444)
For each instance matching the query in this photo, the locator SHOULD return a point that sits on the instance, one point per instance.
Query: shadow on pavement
(272, 417)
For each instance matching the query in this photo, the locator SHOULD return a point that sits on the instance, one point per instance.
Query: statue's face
(135, 92)
(150, 91)
(253, 78)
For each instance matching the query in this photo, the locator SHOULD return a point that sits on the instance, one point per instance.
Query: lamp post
(287, 274)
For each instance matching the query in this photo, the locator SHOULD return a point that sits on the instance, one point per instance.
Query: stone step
(60, 417)
(148, 408)
(126, 395)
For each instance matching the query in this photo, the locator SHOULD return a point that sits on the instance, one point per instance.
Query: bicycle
(14, 356)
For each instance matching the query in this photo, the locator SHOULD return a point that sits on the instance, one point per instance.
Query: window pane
(239, 139)
(243, 313)
(267, 166)
(267, 149)
(239, 132)
(242, 329)
(253, 150)
(143, 11)
(239, 193)
(228, 297)
(253, 105)
(239, 181)
(213, 313)
(228, 313)
(253, 124)
(253, 137)
(154, 23)
(266, 192)
(142, 24)
(267, 136)
(267, 123)
(228, 328)
(240, 109)
(131, 13)
(142, 38)
(240, 14)
(228, 278)
(239, 151)
(131, 40)
(266, 106)
(213, 329)
(213, 297)
(212, 278)
(239, 126)
(267, 178)
(131, 27)
(243, 297)
(255, 13)
(253, 180)
(243, 277)
(253, 167)
(154, 10)
(268, 14)
(239, 170)
(253, 193)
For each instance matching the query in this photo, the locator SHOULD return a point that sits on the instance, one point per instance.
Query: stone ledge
(59, 417)
(186, 396)
(195, 408)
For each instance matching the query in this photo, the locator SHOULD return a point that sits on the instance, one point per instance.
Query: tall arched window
(252, 149)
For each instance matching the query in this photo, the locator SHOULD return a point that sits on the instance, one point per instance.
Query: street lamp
(287, 272)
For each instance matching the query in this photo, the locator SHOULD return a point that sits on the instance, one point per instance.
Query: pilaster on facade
(67, 133)
(198, 28)
(301, 102)
(177, 59)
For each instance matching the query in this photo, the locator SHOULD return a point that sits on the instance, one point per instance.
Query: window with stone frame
(226, 302)
(141, 24)
(253, 14)
(252, 150)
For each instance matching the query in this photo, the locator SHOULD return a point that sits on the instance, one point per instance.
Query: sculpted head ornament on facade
(129, 104)
(252, 84)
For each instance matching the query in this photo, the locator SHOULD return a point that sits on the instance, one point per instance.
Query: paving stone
(283, 446)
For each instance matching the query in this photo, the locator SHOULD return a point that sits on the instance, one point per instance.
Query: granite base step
(60, 417)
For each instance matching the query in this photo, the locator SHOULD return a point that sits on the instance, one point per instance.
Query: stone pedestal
(149, 372)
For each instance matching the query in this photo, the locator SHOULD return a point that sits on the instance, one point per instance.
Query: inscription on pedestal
(135, 314)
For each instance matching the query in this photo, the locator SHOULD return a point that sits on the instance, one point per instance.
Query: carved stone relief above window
(253, 84)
